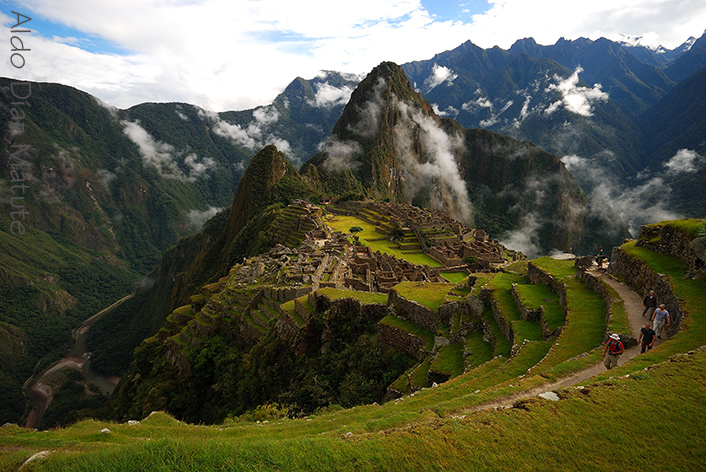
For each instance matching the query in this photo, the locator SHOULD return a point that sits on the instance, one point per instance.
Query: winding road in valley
(40, 387)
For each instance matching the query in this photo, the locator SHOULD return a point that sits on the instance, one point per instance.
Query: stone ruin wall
(600, 287)
(539, 276)
(666, 239)
(408, 342)
(413, 311)
(641, 278)
(527, 314)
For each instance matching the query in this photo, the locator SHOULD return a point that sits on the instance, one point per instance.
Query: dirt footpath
(633, 306)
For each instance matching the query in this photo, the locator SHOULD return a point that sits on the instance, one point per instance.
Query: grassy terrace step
(481, 350)
(418, 377)
(449, 360)
(454, 277)
(249, 320)
(460, 392)
(363, 297)
(536, 296)
(502, 345)
(267, 310)
(430, 295)
(522, 329)
(410, 327)
(288, 308)
(585, 324)
(260, 318)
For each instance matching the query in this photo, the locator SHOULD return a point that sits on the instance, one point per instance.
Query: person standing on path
(658, 318)
(615, 349)
(600, 257)
(647, 336)
(650, 304)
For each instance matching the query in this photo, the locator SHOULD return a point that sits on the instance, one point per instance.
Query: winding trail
(633, 306)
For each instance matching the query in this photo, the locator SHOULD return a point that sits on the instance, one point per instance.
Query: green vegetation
(430, 295)
(410, 327)
(539, 295)
(481, 351)
(418, 378)
(364, 297)
(693, 227)
(435, 418)
(449, 360)
(454, 277)
(377, 241)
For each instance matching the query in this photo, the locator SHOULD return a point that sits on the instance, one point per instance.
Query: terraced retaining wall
(598, 286)
(641, 278)
(413, 311)
(539, 276)
(408, 342)
(667, 239)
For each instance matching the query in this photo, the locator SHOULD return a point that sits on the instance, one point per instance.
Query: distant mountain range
(107, 191)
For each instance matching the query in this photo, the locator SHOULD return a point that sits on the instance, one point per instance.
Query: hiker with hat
(658, 318)
(615, 349)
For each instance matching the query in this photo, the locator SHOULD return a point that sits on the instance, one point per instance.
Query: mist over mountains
(545, 147)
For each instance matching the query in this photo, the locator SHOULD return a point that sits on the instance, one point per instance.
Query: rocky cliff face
(391, 143)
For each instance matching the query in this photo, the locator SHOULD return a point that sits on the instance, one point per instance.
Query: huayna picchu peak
(390, 142)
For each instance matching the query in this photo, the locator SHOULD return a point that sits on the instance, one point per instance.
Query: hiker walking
(615, 349)
(600, 257)
(647, 337)
(650, 304)
(658, 318)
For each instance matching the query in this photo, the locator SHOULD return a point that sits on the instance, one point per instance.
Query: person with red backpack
(615, 349)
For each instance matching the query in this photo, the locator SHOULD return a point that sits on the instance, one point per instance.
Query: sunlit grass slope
(651, 419)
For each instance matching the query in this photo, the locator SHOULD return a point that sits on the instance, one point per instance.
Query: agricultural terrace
(378, 241)
(439, 425)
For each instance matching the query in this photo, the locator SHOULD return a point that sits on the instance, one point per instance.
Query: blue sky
(445, 10)
(236, 54)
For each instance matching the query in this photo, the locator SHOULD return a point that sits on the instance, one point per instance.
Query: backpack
(615, 346)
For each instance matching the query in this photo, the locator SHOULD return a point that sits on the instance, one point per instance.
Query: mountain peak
(269, 178)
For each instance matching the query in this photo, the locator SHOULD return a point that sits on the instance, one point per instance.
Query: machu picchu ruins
(315, 268)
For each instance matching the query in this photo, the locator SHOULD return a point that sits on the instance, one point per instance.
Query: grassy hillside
(624, 411)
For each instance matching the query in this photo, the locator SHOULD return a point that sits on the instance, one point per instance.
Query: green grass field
(647, 414)
(377, 241)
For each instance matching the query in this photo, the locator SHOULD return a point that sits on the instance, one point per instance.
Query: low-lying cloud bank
(163, 157)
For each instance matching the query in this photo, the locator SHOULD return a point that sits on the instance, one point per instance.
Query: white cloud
(683, 162)
(479, 103)
(439, 170)
(342, 155)
(526, 238)
(197, 218)
(200, 51)
(106, 176)
(646, 203)
(439, 75)
(256, 135)
(328, 96)
(574, 98)
(369, 123)
(448, 112)
(163, 157)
